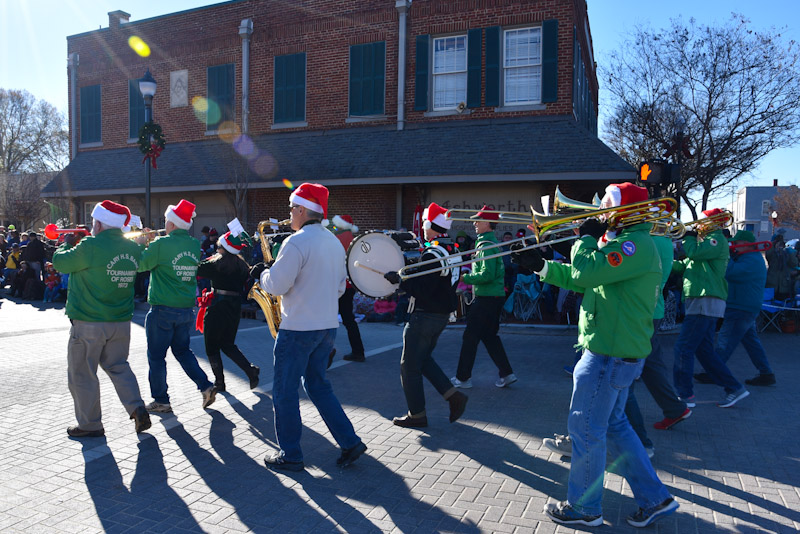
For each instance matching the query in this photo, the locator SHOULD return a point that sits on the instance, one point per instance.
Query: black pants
(349, 321)
(483, 322)
(219, 332)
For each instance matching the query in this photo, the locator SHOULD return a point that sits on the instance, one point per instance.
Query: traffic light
(656, 172)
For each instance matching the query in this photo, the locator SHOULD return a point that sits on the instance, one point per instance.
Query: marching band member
(221, 309)
(705, 291)
(344, 230)
(483, 317)
(433, 300)
(620, 282)
(309, 275)
(172, 261)
(100, 307)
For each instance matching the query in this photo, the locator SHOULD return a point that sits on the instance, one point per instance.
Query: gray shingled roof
(525, 146)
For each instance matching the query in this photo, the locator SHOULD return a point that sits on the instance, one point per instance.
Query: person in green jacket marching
(172, 261)
(704, 291)
(102, 270)
(619, 274)
(483, 318)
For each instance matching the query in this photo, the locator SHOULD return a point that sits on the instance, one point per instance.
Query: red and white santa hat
(311, 196)
(345, 222)
(711, 212)
(435, 214)
(111, 214)
(181, 215)
(624, 193)
(231, 243)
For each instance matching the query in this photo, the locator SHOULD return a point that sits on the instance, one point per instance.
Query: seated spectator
(52, 281)
(12, 265)
(61, 296)
(23, 275)
(383, 310)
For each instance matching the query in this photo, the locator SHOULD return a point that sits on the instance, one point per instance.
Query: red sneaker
(669, 422)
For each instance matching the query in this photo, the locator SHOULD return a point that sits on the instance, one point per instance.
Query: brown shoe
(458, 403)
(142, 419)
(411, 422)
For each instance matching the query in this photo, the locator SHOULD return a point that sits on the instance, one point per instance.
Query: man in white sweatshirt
(309, 275)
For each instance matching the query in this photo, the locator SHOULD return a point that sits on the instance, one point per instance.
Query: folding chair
(771, 312)
(526, 295)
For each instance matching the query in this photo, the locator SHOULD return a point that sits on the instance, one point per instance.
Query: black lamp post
(147, 86)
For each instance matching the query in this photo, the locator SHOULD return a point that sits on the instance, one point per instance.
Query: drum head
(373, 250)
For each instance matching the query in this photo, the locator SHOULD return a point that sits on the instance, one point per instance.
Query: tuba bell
(269, 304)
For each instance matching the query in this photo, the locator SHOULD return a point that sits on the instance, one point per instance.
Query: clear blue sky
(33, 45)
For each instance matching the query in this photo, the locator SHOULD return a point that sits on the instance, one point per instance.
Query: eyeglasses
(293, 206)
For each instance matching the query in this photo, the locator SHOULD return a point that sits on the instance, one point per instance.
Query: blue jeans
(597, 413)
(697, 339)
(740, 326)
(303, 356)
(168, 327)
(420, 335)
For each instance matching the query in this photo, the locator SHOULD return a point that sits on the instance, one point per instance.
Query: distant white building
(752, 210)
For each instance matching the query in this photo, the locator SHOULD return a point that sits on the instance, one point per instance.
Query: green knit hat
(744, 235)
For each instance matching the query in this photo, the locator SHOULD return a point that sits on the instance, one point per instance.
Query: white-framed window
(449, 72)
(766, 207)
(87, 213)
(522, 66)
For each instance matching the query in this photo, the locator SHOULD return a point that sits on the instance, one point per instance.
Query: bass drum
(378, 252)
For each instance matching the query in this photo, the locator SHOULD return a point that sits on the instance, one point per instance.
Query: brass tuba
(270, 305)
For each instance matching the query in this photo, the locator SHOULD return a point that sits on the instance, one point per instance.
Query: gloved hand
(257, 269)
(690, 233)
(392, 277)
(593, 227)
(531, 260)
(70, 239)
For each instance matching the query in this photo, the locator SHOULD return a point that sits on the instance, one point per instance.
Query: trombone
(138, 233)
(703, 227)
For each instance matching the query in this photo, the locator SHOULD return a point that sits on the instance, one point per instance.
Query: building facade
(753, 210)
(389, 103)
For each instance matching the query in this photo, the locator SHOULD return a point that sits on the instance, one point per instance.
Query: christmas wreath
(151, 142)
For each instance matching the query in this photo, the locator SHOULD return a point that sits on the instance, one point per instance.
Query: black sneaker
(78, 432)
(354, 357)
(254, 374)
(761, 380)
(703, 378)
(351, 455)
(643, 517)
(220, 385)
(562, 513)
(458, 403)
(277, 462)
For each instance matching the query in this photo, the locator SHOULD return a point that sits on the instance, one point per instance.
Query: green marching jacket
(487, 276)
(102, 272)
(172, 261)
(620, 283)
(704, 266)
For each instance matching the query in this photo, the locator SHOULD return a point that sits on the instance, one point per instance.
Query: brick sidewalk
(734, 470)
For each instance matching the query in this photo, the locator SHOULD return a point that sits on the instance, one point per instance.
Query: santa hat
(625, 193)
(434, 217)
(345, 222)
(231, 243)
(486, 216)
(711, 212)
(181, 215)
(311, 196)
(111, 214)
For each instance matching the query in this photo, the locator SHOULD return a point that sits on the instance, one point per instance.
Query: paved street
(732, 470)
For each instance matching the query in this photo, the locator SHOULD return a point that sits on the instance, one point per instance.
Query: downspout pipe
(72, 65)
(245, 31)
(402, 8)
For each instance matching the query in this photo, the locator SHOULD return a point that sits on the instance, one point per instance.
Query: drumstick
(367, 267)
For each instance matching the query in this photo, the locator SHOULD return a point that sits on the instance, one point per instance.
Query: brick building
(389, 103)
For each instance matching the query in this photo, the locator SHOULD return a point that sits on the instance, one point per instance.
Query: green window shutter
(290, 88)
(493, 66)
(422, 72)
(367, 79)
(90, 114)
(135, 109)
(356, 80)
(474, 68)
(550, 60)
(220, 91)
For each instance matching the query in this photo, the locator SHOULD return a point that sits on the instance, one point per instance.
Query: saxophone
(270, 305)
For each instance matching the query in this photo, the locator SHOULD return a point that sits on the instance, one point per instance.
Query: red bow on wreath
(154, 152)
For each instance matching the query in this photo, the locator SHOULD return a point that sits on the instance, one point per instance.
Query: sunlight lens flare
(288, 184)
(139, 46)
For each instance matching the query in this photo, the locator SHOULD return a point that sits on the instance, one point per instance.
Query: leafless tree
(33, 134)
(21, 201)
(787, 205)
(238, 183)
(733, 90)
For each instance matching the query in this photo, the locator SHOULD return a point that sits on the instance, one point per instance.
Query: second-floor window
(135, 109)
(220, 88)
(290, 88)
(367, 79)
(522, 66)
(90, 114)
(449, 72)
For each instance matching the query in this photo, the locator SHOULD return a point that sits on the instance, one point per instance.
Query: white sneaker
(466, 384)
(559, 443)
(650, 452)
(506, 380)
(733, 398)
(158, 407)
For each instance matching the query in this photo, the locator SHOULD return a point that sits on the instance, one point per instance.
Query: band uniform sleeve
(592, 267)
(710, 248)
(72, 259)
(279, 279)
(559, 275)
(149, 259)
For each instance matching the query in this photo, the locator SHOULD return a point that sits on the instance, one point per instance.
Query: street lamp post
(147, 86)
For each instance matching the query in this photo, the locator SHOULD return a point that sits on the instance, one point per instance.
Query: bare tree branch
(33, 134)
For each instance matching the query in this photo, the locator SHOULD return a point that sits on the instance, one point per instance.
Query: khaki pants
(105, 344)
